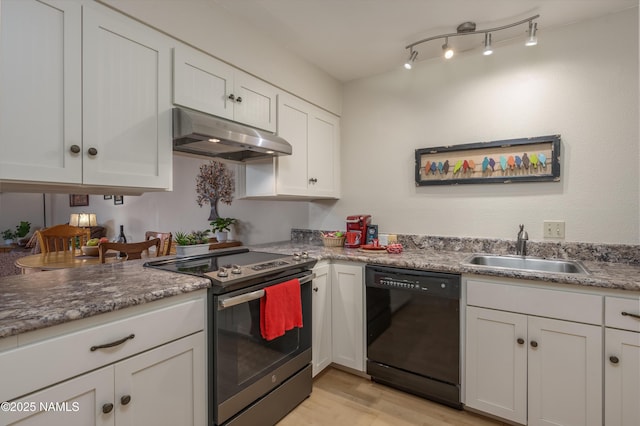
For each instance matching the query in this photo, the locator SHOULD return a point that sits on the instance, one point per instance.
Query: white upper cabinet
(41, 91)
(313, 169)
(127, 102)
(203, 83)
(85, 97)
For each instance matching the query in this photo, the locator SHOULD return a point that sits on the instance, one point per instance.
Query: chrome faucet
(521, 245)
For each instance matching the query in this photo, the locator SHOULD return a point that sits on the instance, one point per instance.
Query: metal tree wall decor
(214, 183)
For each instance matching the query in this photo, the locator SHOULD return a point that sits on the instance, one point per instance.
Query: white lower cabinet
(143, 365)
(321, 307)
(622, 362)
(338, 316)
(529, 369)
(347, 315)
(164, 386)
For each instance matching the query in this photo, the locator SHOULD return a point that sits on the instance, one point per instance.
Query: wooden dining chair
(165, 240)
(62, 238)
(131, 250)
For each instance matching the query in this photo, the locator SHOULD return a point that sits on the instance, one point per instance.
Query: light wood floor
(340, 398)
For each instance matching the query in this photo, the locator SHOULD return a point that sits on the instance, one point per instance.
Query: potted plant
(22, 231)
(196, 242)
(7, 236)
(221, 226)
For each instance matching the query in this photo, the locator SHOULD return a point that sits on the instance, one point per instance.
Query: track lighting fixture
(469, 28)
(446, 49)
(412, 58)
(488, 50)
(532, 40)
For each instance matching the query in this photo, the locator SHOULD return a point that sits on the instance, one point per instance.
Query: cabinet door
(321, 318)
(347, 316)
(255, 102)
(293, 125)
(76, 402)
(565, 373)
(496, 363)
(166, 386)
(622, 378)
(323, 155)
(126, 99)
(202, 82)
(40, 83)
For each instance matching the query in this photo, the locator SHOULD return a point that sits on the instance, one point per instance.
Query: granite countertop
(606, 275)
(38, 300)
(43, 299)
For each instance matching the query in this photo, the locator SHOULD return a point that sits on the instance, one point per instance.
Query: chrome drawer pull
(112, 344)
(627, 314)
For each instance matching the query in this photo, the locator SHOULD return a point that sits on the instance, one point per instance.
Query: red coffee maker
(357, 224)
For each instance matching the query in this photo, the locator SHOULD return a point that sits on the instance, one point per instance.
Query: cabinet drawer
(613, 309)
(34, 366)
(578, 307)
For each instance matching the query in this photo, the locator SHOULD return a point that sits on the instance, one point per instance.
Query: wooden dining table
(63, 259)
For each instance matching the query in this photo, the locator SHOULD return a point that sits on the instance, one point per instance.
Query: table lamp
(83, 220)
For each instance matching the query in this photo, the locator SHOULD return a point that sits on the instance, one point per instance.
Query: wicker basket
(333, 241)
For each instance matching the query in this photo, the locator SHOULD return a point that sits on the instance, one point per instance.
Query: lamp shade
(83, 219)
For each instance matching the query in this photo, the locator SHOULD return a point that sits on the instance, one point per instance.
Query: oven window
(242, 356)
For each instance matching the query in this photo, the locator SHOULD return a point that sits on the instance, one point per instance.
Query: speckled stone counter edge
(615, 253)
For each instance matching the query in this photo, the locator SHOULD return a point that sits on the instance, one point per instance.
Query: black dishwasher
(413, 331)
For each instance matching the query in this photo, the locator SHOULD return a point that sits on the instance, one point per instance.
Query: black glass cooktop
(238, 265)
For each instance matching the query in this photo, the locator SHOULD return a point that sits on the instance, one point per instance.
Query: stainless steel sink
(527, 263)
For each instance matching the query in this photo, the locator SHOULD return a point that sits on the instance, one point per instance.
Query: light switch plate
(553, 229)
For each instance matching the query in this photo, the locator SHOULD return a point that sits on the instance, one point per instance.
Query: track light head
(412, 58)
(446, 49)
(488, 50)
(532, 40)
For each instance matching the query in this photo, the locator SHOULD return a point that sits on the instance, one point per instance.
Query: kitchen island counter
(38, 300)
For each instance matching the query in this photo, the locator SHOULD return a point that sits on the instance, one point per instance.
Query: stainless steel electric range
(251, 380)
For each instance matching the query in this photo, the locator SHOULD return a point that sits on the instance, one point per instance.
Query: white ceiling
(350, 39)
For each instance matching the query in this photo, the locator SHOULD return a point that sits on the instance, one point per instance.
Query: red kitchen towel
(280, 309)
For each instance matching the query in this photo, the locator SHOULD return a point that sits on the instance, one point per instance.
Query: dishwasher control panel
(435, 283)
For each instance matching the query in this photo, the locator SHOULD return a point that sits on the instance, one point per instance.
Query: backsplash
(617, 253)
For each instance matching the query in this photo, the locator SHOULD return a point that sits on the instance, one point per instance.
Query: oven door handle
(248, 297)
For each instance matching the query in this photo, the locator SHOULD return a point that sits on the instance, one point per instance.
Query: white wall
(178, 211)
(581, 81)
(209, 27)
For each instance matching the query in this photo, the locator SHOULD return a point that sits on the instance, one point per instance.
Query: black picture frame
(108, 197)
(478, 153)
(78, 200)
(118, 199)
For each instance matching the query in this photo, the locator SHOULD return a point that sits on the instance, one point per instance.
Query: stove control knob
(222, 273)
(296, 256)
(235, 269)
(304, 255)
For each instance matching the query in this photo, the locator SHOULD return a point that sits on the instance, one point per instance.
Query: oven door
(246, 366)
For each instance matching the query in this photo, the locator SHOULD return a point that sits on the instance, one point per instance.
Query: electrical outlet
(553, 229)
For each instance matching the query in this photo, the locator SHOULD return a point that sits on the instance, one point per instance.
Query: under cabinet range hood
(203, 134)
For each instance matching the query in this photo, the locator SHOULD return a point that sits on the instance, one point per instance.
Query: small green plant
(23, 229)
(222, 224)
(190, 239)
(8, 234)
